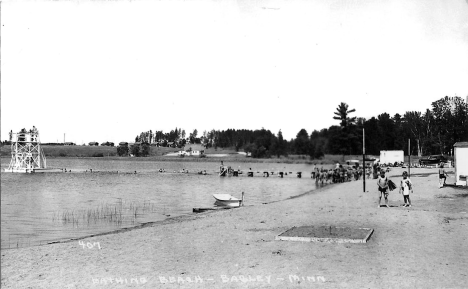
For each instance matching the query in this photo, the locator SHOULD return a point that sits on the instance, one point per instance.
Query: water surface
(39, 208)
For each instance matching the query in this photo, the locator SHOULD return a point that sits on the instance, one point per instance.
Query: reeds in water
(117, 213)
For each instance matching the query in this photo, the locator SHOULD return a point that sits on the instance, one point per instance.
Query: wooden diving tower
(26, 153)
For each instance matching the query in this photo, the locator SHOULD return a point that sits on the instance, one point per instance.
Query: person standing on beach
(323, 176)
(382, 183)
(405, 187)
(442, 175)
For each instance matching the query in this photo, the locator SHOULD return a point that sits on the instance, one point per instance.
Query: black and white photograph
(234, 144)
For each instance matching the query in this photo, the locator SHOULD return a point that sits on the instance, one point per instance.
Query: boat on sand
(226, 200)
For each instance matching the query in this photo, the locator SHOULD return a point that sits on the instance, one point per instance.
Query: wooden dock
(201, 210)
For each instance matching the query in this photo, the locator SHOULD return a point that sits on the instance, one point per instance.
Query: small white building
(192, 150)
(387, 157)
(461, 163)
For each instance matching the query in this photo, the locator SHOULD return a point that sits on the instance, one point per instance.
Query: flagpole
(363, 161)
(409, 158)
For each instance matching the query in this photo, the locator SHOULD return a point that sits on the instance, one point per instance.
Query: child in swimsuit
(405, 187)
(382, 183)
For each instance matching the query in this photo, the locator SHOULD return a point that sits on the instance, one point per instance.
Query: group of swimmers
(183, 171)
(340, 174)
(109, 172)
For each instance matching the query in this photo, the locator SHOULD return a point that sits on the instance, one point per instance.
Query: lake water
(39, 208)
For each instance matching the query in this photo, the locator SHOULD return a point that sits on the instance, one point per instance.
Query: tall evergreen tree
(342, 113)
(348, 138)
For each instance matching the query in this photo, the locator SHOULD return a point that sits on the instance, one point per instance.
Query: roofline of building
(462, 144)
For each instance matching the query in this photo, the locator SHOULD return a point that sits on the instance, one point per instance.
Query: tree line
(431, 132)
(434, 131)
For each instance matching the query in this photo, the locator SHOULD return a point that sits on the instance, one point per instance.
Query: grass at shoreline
(102, 151)
(159, 154)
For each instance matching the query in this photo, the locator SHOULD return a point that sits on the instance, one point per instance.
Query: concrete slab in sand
(326, 234)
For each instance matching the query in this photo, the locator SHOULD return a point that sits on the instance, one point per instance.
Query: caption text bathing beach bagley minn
(223, 278)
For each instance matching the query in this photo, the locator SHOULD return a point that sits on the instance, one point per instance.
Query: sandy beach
(425, 246)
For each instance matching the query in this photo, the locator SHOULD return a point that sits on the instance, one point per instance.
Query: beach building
(461, 163)
(390, 157)
(192, 150)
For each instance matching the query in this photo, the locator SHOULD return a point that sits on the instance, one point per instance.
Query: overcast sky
(108, 70)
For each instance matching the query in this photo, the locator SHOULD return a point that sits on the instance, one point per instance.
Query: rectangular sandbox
(326, 234)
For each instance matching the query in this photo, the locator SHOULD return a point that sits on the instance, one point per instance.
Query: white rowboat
(226, 200)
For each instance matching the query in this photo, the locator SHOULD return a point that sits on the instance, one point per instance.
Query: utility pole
(409, 158)
(419, 148)
(363, 161)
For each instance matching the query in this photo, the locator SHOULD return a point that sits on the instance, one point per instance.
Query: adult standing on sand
(382, 183)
